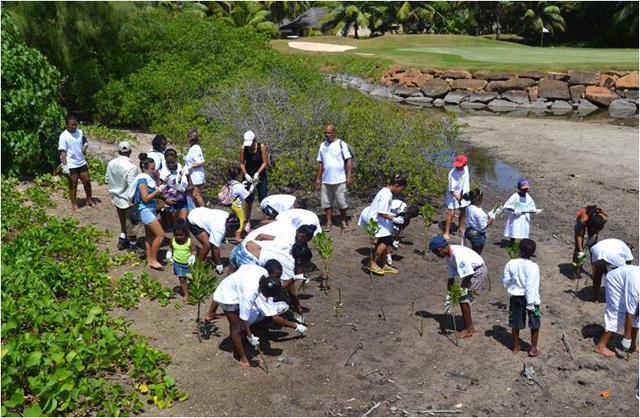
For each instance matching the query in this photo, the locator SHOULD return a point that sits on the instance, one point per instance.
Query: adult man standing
(333, 176)
(120, 175)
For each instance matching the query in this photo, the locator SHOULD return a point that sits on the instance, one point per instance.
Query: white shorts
(452, 203)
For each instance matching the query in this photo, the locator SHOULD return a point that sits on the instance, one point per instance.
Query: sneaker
(299, 318)
(395, 245)
(389, 259)
(123, 244)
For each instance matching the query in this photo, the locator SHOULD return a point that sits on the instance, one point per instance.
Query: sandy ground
(392, 348)
(319, 47)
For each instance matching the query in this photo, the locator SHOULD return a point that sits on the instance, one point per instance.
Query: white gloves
(626, 344)
(219, 269)
(253, 340)
(169, 256)
(531, 307)
(180, 188)
(517, 212)
(447, 305)
(581, 255)
(85, 145)
(192, 260)
(248, 177)
(398, 220)
(162, 188)
(298, 317)
(65, 169)
(256, 177)
(301, 276)
(301, 328)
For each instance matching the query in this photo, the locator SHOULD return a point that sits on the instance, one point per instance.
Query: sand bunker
(314, 46)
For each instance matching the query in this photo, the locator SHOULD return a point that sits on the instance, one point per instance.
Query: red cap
(460, 161)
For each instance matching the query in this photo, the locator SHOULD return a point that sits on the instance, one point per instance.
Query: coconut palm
(626, 17)
(187, 7)
(414, 16)
(345, 15)
(286, 9)
(242, 14)
(544, 17)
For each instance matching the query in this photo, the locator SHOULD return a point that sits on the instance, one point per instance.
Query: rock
(465, 84)
(417, 93)
(456, 96)
(429, 71)
(404, 91)
(600, 95)
(629, 81)
(419, 100)
(403, 79)
(501, 104)
(435, 88)
(535, 105)
(607, 80)
(481, 75)
(587, 78)
(553, 89)
(482, 97)
(496, 86)
(501, 75)
(455, 74)
(577, 93)
(438, 102)
(533, 93)
(420, 79)
(585, 107)
(472, 105)
(621, 108)
(629, 94)
(381, 92)
(397, 98)
(395, 69)
(551, 75)
(366, 87)
(515, 96)
(512, 84)
(560, 107)
(536, 75)
(616, 73)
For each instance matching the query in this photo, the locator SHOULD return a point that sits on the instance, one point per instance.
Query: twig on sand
(565, 340)
(440, 411)
(372, 408)
(371, 372)
(360, 347)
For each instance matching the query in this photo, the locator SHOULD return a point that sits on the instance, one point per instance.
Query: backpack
(224, 195)
(351, 151)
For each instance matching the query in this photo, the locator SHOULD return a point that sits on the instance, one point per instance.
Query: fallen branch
(360, 347)
(440, 411)
(371, 372)
(372, 408)
(565, 340)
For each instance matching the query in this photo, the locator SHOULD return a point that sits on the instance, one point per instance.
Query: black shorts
(79, 170)
(195, 229)
(388, 240)
(518, 314)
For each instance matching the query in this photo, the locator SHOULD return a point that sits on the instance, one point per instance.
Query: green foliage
(371, 228)
(97, 168)
(62, 354)
(513, 250)
(426, 214)
(202, 284)
(112, 136)
(324, 246)
(31, 115)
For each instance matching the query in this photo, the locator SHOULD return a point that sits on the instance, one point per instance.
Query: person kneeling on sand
(470, 267)
(623, 293)
(245, 297)
(522, 280)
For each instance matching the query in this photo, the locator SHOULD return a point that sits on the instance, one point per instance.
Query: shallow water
(486, 169)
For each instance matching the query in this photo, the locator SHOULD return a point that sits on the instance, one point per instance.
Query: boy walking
(522, 280)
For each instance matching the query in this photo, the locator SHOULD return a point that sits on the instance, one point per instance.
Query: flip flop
(157, 268)
(390, 269)
(375, 270)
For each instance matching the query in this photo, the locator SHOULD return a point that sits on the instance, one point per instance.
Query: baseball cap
(437, 242)
(124, 146)
(524, 184)
(460, 161)
(248, 138)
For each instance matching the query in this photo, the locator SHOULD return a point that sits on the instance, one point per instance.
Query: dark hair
(269, 286)
(192, 136)
(233, 221)
(233, 172)
(596, 223)
(301, 203)
(307, 231)
(157, 141)
(170, 152)
(145, 160)
(273, 266)
(527, 247)
(181, 225)
(411, 212)
(472, 195)
(398, 179)
(70, 117)
(301, 253)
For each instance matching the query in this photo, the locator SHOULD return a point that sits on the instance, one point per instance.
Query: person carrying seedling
(182, 252)
(623, 294)
(477, 220)
(247, 295)
(458, 186)
(608, 252)
(589, 219)
(238, 196)
(380, 210)
(400, 209)
(519, 208)
(471, 268)
(521, 278)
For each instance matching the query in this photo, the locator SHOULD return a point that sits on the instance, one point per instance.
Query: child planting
(521, 278)
(477, 220)
(590, 219)
(182, 252)
(238, 196)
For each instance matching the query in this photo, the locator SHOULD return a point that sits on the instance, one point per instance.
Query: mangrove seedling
(381, 314)
(201, 287)
(513, 250)
(371, 228)
(338, 307)
(455, 293)
(324, 245)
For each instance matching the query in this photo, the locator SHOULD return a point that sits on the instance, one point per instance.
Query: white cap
(124, 146)
(248, 138)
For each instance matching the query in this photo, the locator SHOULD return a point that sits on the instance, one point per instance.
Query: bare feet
(446, 236)
(213, 317)
(93, 204)
(249, 363)
(466, 333)
(604, 351)
(534, 352)
(158, 267)
(75, 208)
(516, 349)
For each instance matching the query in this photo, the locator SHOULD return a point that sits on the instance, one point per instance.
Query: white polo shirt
(332, 155)
(213, 221)
(279, 202)
(463, 261)
(613, 251)
(298, 217)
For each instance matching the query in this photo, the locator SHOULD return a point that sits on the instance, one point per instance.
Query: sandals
(376, 271)
(390, 269)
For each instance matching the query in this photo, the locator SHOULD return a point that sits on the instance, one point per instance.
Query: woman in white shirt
(194, 163)
(477, 221)
(72, 145)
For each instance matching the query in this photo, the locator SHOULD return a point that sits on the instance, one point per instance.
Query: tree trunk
(355, 31)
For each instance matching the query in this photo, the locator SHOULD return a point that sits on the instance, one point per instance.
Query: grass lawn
(468, 52)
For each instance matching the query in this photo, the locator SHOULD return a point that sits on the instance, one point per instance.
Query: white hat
(249, 136)
(124, 146)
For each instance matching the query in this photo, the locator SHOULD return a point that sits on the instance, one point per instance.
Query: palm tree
(543, 18)
(348, 14)
(286, 9)
(414, 16)
(626, 18)
(242, 14)
(187, 7)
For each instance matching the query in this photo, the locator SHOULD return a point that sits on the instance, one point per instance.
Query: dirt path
(348, 364)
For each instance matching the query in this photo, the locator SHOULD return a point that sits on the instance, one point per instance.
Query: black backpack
(351, 151)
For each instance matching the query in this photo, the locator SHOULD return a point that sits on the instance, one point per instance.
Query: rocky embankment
(582, 92)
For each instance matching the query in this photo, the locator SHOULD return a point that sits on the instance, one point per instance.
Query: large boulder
(560, 107)
(621, 108)
(501, 105)
(455, 74)
(537, 106)
(553, 89)
(629, 81)
(466, 84)
(577, 93)
(481, 74)
(501, 75)
(585, 107)
(404, 91)
(512, 84)
(381, 91)
(422, 78)
(587, 78)
(435, 88)
(482, 97)
(607, 80)
(515, 96)
(600, 95)
(536, 75)
(456, 96)
(552, 75)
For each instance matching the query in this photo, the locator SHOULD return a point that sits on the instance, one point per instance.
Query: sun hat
(460, 161)
(437, 242)
(524, 184)
(124, 146)
(248, 138)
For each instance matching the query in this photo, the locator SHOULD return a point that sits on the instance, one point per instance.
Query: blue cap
(523, 183)
(437, 242)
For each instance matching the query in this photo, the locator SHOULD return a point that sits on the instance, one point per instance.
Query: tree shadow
(592, 331)
(206, 329)
(82, 202)
(364, 251)
(585, 293)
(504, 337)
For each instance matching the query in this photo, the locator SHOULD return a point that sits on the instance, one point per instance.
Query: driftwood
(565, 340)
(372, 409)
(440, 411)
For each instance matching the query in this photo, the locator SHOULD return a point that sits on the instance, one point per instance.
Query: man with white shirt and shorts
(608, 252)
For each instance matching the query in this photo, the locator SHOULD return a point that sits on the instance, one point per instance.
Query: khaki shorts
(334, 192)
(477, 282)
(132, 230)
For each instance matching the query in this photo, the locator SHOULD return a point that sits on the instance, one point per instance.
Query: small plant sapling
(338, 307)
(381, 314)
(202, 285)
(513, 250)
(324, 245)
(371, 228)
(426, 215)
(455, 293)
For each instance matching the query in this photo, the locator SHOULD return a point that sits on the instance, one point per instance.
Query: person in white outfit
(519, 208)
(71, 145)
(623, 294)
(608, 252)
(275, 204)
(458, 186)
(194, 164)
(477, 221)
(521, 278)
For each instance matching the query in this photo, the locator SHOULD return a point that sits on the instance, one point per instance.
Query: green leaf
(17, 399)
(71, 355)
(32, 411)
(33, 359)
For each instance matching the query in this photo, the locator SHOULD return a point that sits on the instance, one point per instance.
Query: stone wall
(581, 91)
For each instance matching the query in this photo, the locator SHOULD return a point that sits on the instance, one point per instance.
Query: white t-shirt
(398, 206)
(463, 261)
(623, 294)
(476, 218)
(382, 204)
(522, 278)
(71, 143)
(120, 175)
(238, 193)
(279, 202)
(243, 288)
(213, 221)
(161, 163)
(271, 251)
(332, 155)
(459, 183)
(298, 217)
(518, 225)
(194, 156)
(284, 233)
(613, 251)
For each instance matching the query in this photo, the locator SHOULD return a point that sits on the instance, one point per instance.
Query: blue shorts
(518, 314)
(178, 207)
(261, 189)
(240, 256)
(475, 237)
(148, 216)
(181, 270)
